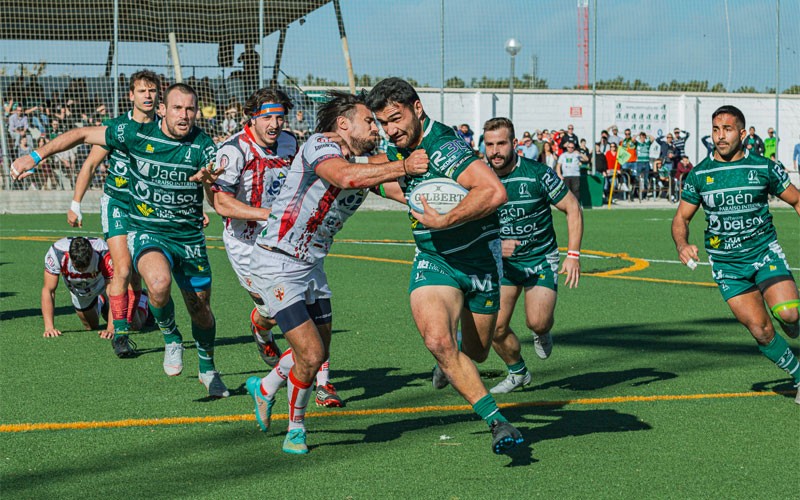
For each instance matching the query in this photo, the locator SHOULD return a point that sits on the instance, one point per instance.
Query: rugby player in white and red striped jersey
(84, 265)
(322, 190)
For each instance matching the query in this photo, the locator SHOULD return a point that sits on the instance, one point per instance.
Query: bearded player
(748, 264)
(530, 251)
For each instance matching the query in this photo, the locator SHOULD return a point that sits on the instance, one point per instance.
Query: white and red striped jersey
(88, 282)
(254, 175)
(309, 210)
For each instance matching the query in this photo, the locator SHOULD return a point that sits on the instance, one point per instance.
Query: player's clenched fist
(21, 166)
(417, 162)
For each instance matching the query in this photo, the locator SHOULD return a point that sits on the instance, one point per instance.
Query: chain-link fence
(639, 64)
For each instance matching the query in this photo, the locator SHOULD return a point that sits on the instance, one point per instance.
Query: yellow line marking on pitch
(637, 264)
(150, 422)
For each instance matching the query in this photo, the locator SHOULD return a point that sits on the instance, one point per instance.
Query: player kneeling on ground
(84, 265)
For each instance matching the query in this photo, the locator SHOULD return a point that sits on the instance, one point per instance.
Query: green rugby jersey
(735, 199)
(448, 156)
(532, 187)
(162, 198)
(116, 185)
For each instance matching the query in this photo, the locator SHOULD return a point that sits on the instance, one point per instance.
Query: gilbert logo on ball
(442, 195)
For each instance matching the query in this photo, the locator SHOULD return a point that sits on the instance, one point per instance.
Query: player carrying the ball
(457, 265)
(748, 264)
(530, 251)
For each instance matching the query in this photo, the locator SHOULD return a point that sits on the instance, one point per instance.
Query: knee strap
(784, 306)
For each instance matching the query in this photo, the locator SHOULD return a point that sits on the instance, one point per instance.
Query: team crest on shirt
(120, 181)
(489, 303)
(149, 148)
(715, 241)
(524, 191)
(399, 156)
(144, 209)
(709, 179)
(752, 177)
(279, 293)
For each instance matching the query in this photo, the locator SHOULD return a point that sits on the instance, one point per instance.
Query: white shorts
(239, 256)
(282, 280)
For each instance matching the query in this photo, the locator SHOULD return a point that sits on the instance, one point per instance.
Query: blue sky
(646, 39)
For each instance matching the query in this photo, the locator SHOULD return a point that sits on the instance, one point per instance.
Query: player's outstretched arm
(572, 264)
(49, 305)
(791, 196)
(343, 174)
(486, 194)
(226, 205)
(95, 158)
(68, 140)
(391, 191)
(680, 231)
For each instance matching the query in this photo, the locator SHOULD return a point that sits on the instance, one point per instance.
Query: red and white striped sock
(277, 377)
(299, 394)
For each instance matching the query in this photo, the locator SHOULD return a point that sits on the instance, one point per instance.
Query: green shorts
(187, 256)
(539, 270)
(736, 278)
(114, 217)
(479, 281)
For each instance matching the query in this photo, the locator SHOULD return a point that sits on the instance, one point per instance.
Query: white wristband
(691, 264)
(75, 206)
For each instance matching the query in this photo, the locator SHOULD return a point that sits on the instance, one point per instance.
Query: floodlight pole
(512, 47)
(4, 143)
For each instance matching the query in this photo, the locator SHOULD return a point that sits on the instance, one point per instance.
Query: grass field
(653, 389)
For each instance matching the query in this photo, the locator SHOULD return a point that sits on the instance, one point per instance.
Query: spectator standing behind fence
(680, 140)
(585, 155)
(796, 156)
(669, 153)
(548, 156)
(771, 143)
(17, 123)
(526, 148)
(568, 168)
(570, 136)
(709, 144)
(538, 141)
(299, 126)
(613, 136)
(753, 143)
(466, 134)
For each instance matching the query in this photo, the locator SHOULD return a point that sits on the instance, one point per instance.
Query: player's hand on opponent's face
(52, 332)
(21, 167)
(417, 163)
(74, 219)
(206, 220)
(430, 218)
(509, 246)
(572, 268)
(687, 252)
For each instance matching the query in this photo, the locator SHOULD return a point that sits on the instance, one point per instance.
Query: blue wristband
(36, 158)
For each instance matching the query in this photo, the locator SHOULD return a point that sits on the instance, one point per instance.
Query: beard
(360, 146)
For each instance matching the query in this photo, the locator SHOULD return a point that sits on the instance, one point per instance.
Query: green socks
(487, 409)
(779, 352)
(165, 319)
(204, 339)
(517, 368)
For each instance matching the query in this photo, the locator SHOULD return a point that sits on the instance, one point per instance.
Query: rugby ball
(442, 194)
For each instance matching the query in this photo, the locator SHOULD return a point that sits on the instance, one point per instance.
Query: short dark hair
(498, 123)
(339, 104)
(733, 111)
(80, 251)
(147, 76)
(391, 90)
(266, 94)
(182, 88)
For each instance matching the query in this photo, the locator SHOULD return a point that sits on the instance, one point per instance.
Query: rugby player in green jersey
(530, 251)
(456, 268)
(123, 302)
(747, 262)
(171, 159)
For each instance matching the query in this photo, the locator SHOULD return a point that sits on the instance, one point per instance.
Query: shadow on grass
(597, 380)
(34, 312)
(781, 386)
